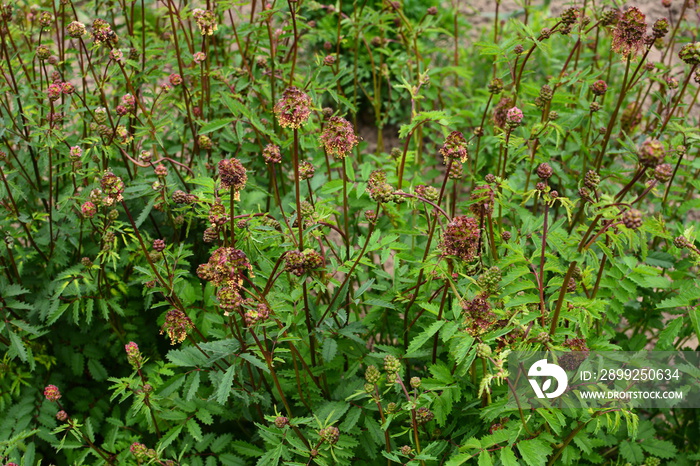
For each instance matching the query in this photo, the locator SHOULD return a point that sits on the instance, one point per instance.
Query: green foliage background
(75, 288)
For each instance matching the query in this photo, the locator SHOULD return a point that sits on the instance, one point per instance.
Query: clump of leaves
(311, 234)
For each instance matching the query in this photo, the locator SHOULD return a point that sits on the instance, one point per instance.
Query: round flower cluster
(378, 188)
(500, 111)
(392, 366)
(176, 325)
(599, 87)
(159, 245)
(204, 142)
(571, 361)
(628, 35)
(663, 172)
(88, 209)
(281, 421)
(112, 187)
(141, 452)
(293, 109)
(52, 393)
(660, 28)
(129, 103)
(372, 374)
(338, 137)
(461, 238)
(546, 95)
(306, 170)
(271, 153)
(489, 280)
(544, 171)
(330, 435)
(423, 416)
(233, 175)
(428, 192)
(206, 20)
(651, 153)
(632, 219)
(102, 33)
(133, 354)
(690, 53)
(43, 52)
(181, 197)
(76, 29)
(514, 117)
(484, 196)
(454, 148)
(495, 86)
(478, 317)
(301, 262)
(225, 267)
(591, 179)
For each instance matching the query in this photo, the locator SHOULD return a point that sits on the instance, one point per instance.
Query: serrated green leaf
(420, 339)
(194, 430)
(97, 370)
(214, 125)
(170, 437)
(659, 448)
(668, 335)
(254, 360)
(694, 314)
(631, 452)
(485, 458)
(224, 389)
(329, 349)
(246, 449)
(18, 346)
(508, 457)
(193, 386)
(271, 457)
(534, 451)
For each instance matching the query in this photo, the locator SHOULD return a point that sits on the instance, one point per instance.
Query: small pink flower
(199, 57)
(175, 79)
(76, 152)
(338, 137)
(206, 20)
(514, 116)
(52, 393)
(176, 325)
(599, 87)
(628, 35)
(232, 174)
(89, 210)
(455, 147)
(271, 154)
(54, 91)
(133, 355)
(293, 109)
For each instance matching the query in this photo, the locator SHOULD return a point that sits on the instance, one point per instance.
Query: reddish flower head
(338, 137)
(271, 154)
(176, 325)
(455, 147)
(293, 109)
(461, 238)
(88, 209)
(133, 355)
(232, 174)
(628, 35)
(52, 393)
